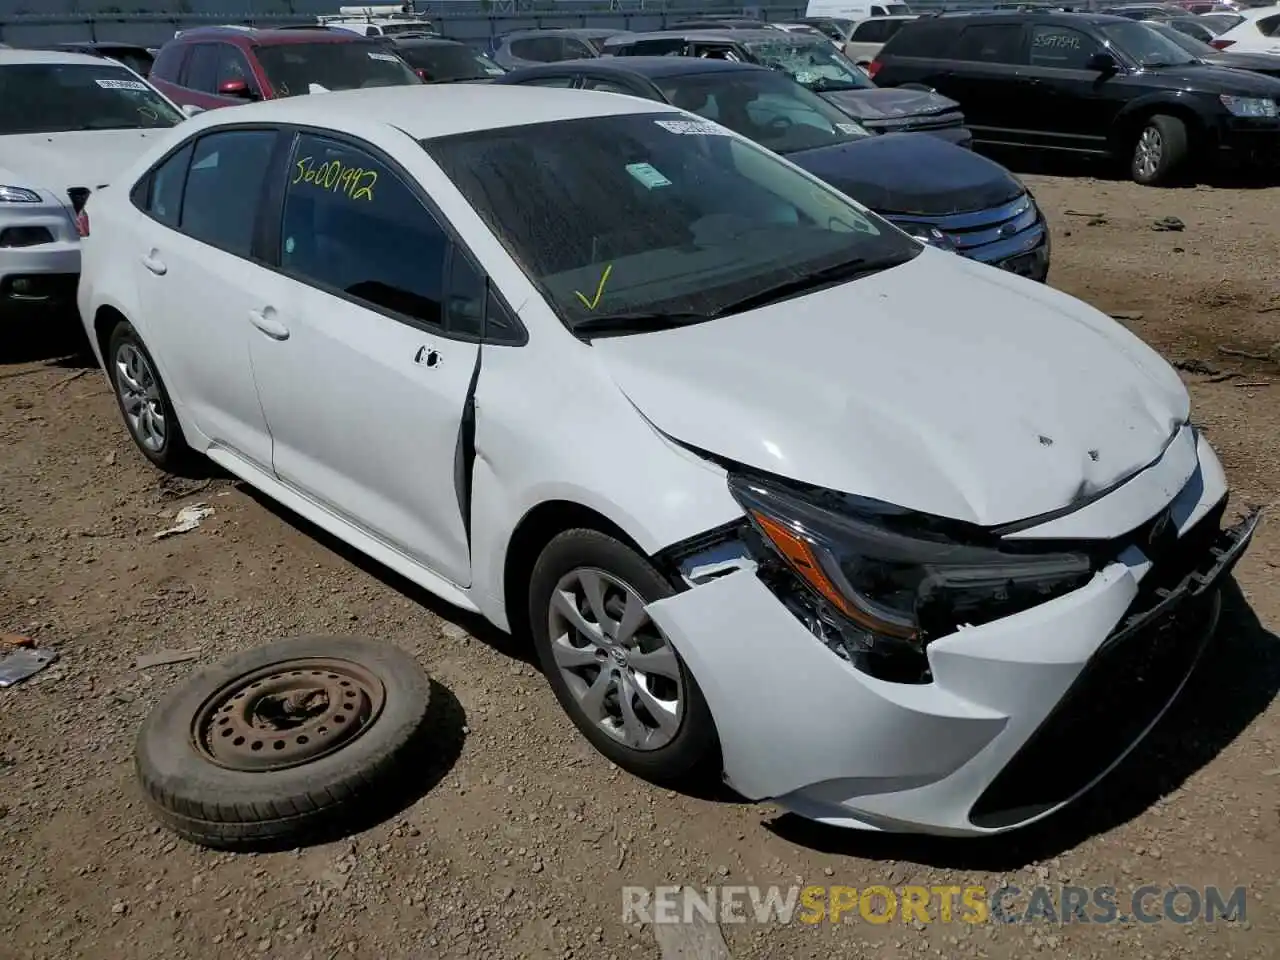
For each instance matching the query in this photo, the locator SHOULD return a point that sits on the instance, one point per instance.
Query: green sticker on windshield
(647, 175)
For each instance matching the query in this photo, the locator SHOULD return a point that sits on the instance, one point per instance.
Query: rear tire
(1160, 151)
(622, 684)
(144, 402)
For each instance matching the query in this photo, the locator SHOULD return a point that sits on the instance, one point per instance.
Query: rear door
(981, 71)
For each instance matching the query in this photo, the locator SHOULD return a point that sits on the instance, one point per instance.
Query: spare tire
(283, 743)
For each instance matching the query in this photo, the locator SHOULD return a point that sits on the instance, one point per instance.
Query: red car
(214, 67)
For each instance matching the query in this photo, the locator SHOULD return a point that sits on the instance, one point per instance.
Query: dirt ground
(525, 838)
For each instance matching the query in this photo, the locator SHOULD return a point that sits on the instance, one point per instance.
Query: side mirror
(236, 88)
(1103, 63)
(190, 109)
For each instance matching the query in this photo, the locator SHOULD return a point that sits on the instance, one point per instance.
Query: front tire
(1160, 152)
(614, 672)
(144, 402)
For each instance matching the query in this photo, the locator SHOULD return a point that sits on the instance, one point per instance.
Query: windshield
(1145, 45)
(56, 97)
(1197, 48)
(811, 62)
(447, 62)
(656, 213)
(293, 67)
(767, 107)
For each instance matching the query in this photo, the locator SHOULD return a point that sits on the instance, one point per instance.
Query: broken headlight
(877, 583)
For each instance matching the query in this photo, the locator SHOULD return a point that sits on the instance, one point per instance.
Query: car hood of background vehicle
(888, 103)
(1256, 62)
(80, 158)
(940, 385)
(911, 173)
(1215, 79)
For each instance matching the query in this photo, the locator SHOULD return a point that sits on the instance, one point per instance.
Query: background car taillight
(1219, 44)
(79, 197)
(873, 68)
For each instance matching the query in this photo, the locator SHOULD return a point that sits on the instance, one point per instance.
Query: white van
(847, 10)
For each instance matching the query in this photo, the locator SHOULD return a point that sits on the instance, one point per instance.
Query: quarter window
(990, 43)
(202, 68)
(162, 193)
(351, 225)
(1061, 47)
(224, 188)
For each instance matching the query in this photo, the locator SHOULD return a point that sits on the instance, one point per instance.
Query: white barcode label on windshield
(121, 84)
(388, 57)
(697, 128)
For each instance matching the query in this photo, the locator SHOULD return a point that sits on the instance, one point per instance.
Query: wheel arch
(1131, 119)
(105, 320)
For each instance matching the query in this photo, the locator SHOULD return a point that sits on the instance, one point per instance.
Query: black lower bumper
(1120, 694)
(36, 290)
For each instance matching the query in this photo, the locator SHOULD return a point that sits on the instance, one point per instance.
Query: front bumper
(800, 726)
(39, 256)
(1249, 141)
(1013, 236)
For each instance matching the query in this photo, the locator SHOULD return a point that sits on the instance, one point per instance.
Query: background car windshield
(55, 97)
(763, 106)
(444, 62)
(813, 63)
(1145, 45)
(293, 67)
(657, 212)
(1196, 48)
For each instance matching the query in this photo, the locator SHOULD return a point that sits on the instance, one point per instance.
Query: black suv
(812, 62)
(1087, 84)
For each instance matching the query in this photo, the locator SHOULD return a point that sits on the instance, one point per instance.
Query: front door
(363, 391)
(198, 288)
(1069, 106)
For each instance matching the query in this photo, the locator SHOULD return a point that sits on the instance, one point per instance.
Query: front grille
(25, 236)
(1123, 688)
(993, 235)
(928, 121)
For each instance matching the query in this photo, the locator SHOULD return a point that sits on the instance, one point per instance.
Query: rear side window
(539, 49)
(224, 187)
(927, 39)
(990, 43)
(169, 63)
(652, 48)
(1268, 26)
(875, 31)
(202, 68)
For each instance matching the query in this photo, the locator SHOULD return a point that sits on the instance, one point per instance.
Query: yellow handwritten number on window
(355, 183)
(595, 301)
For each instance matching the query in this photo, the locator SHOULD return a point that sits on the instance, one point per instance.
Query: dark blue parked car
(941, 193)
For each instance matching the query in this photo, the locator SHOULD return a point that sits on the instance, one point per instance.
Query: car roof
(644, 66)
(12, 58)
(1035, 16)
(427, 111)
(97, 45)
(271, 38)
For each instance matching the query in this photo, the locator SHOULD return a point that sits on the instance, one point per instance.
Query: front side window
(298, 68)
(224, 188)
(59, 97)
(353, 226)
(990, 43)
(1147, 47)
(449, 62)
(202, 68)
(644, 213)
(233, 68)
(1062, 47)
(812, 63)
(764, 106)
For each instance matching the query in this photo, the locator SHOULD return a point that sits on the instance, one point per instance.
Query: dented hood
(941, 385)
(888, 103)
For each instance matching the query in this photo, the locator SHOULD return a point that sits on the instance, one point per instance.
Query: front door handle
(154, 264)
(269, 323)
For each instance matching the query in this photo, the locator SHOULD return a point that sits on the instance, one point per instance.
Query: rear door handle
(154, 264)
(269, 323)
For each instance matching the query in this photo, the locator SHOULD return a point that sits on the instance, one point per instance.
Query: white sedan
(68, 124)
(896, 539)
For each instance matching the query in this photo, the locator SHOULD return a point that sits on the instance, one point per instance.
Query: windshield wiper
(620, 324)
(805, 282)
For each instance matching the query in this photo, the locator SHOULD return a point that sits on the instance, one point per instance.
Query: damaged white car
(68, 123)
(893, 538)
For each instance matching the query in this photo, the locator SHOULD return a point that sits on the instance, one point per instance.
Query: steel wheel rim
(620, 668)
(287, 714)
(1150, 149)
(139, 392)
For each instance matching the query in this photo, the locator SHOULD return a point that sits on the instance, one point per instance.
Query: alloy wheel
(1149, 153)
(620, 668)
(139, 391)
